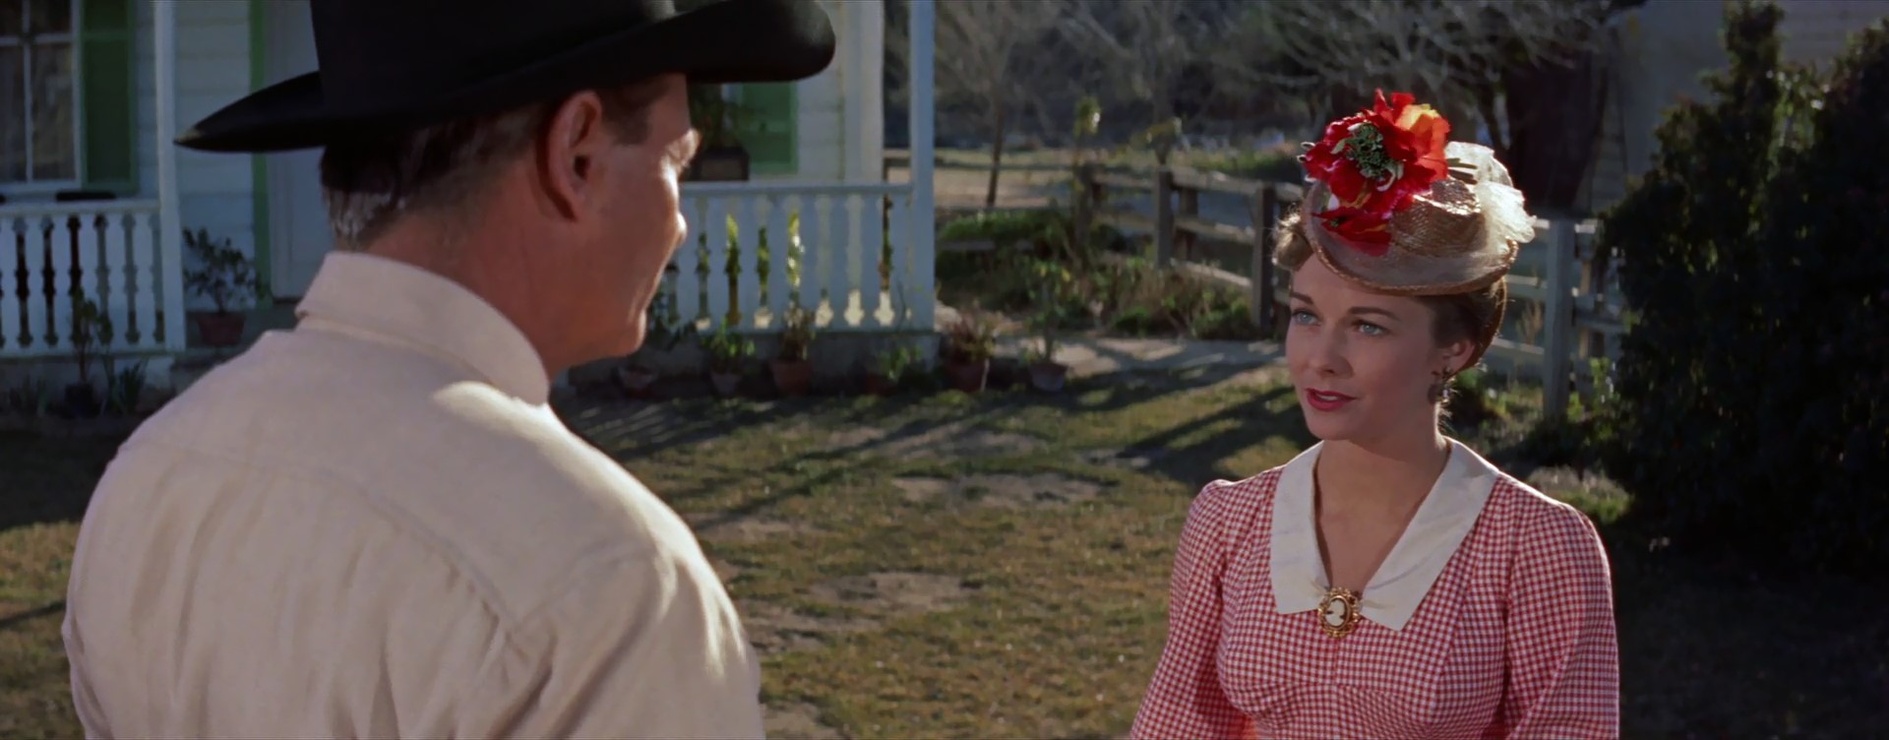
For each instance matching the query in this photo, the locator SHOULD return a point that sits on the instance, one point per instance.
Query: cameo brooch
(1338, 612)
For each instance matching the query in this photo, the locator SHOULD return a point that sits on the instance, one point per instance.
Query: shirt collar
(1444, 518)
(366, 293)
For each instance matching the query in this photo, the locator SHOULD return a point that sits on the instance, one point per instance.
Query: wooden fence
(1565, 309)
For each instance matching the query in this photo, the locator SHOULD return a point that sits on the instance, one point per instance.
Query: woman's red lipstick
(1323, 400)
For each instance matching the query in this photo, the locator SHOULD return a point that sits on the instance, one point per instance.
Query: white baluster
(86, 244)
(812, 249)
(115, 298)
(900, 284)
(780, 245)
(715, 284)
(10, 299)
(872, 284)
(833, 255)
(59, 247)
(858, 208)
(144, 269)
(688, 259)
(748, 278)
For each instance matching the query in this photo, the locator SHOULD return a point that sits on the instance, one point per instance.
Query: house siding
(828, 101)
(819, 116)
(215, 191)
(1665, 47)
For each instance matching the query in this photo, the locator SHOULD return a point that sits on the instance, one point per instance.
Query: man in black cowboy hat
(373, 524)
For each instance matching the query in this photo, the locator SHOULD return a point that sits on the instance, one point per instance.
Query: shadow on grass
(48, 480)
(918, 423)
(1233, 428)
(624, 428)
(10, 621)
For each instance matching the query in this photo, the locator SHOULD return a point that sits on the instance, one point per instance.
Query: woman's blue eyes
(1305, 318)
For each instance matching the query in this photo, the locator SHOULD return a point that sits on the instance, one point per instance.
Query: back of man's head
(369, 183)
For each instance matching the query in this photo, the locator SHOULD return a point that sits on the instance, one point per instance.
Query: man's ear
(569, 147)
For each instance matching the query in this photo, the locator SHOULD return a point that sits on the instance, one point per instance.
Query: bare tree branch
(990, 56)
(1145, 44)
(1449, 51)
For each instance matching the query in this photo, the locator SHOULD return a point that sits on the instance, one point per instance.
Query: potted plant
(91, 330)
(889, 368)
(969, 344)
(227, 278)
(726, 352)
(1046, 374)
(722, 157)
(793, 372)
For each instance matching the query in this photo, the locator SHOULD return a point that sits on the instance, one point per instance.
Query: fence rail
(1565, 308)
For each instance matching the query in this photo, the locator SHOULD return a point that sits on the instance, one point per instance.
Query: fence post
(1190, 207)
(1260, 295)
(1084, 216)
(1558, 317)
(1163, 217)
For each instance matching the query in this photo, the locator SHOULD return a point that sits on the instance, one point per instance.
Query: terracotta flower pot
(725, 383)
(968, 376)
(880, 385)
(792, 377)
(220, 329)
(636, 381)
(1048, 377)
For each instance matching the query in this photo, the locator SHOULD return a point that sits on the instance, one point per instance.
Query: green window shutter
(767, 127)
(108, 95)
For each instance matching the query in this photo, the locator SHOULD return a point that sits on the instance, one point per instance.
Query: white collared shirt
(374, 526)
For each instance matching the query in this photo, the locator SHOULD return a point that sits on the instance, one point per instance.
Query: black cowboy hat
(396, 64)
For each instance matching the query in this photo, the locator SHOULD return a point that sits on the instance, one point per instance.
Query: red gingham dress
(1514, 639)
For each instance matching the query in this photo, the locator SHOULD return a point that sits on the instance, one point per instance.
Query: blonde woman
(1389, 582)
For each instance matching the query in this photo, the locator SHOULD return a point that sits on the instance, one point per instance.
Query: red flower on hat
(1374, 162)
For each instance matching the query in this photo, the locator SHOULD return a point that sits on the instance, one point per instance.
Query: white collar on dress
(1439, 526)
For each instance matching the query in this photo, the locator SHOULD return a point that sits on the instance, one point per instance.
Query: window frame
(791, 166)
(73, 39)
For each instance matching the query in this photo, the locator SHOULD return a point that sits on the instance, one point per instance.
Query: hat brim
(725, 42)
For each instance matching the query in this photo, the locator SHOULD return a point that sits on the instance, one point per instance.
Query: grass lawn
(949, 566)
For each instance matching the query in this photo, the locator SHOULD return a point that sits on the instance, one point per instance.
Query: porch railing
(110, 250)
(851, 254)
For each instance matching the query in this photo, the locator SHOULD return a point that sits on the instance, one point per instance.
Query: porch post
(923, 295)
(170, 232)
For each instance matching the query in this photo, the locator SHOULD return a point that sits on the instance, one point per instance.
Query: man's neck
(494, 277)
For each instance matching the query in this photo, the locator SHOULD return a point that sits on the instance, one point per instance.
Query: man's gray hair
(369, 182)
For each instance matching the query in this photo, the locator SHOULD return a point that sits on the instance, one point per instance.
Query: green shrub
(1749, 388)
(1824, 402)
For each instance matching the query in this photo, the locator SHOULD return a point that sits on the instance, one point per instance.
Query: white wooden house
(93, 92)
(1661, 51)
